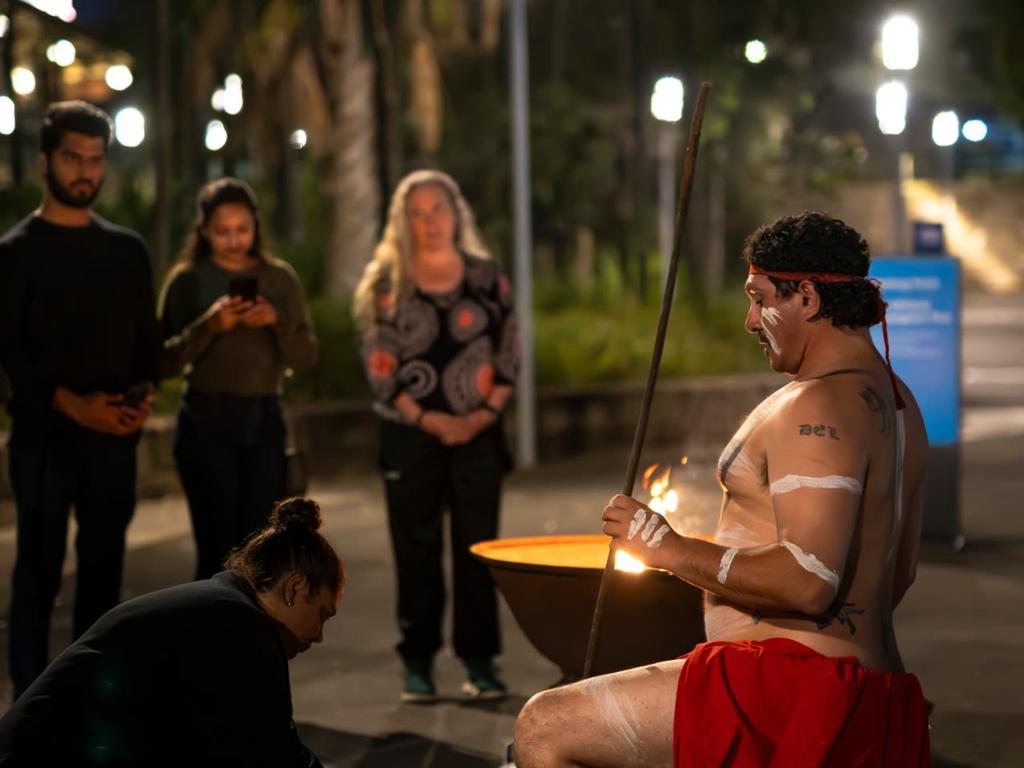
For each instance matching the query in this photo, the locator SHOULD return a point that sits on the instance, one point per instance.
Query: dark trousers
(421, 479)
(48, 475)
(230, 455)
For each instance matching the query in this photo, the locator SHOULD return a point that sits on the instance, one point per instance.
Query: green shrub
(338, 371)
(595, 342)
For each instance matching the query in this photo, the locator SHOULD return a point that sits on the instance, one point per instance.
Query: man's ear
(810, 300)
(295, 586)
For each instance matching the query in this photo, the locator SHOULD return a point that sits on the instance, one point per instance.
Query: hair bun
(297, 512)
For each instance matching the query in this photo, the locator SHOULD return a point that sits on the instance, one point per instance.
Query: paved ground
(961, 628)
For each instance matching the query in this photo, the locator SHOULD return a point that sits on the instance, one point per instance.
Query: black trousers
(230, 455)
(421, 479)
(49, 474)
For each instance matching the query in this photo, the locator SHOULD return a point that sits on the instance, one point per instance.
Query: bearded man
(817, 541)
(79, 344)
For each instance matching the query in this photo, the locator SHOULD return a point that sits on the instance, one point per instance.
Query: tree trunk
(350, 183)
(390, 102)
(424, 81)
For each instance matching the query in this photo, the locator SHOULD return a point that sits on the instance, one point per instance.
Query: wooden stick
(689, 168)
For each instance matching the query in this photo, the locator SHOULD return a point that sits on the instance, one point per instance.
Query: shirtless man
(816, 545)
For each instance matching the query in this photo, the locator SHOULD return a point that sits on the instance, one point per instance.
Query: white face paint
(770, 318)
(794, 482)
(726, 564)
(646, 524)
(811, 564)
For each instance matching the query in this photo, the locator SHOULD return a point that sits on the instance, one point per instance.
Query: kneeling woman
(192, 675)
(234, 319)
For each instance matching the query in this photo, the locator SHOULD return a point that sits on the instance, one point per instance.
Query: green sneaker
(482, 681)
(419, 684)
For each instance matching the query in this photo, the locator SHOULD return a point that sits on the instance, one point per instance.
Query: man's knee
(538, 742)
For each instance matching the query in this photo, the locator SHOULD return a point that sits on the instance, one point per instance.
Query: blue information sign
(924, 336)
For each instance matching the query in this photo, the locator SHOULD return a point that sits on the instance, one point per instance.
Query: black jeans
(230, 455)
(422, 478)
(50, 473)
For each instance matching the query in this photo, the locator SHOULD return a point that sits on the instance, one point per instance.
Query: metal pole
(17, 164)
(164, 131)
(526, 433)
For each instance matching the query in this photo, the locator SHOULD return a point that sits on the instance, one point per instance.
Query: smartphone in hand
(135, 394)
(243, 288)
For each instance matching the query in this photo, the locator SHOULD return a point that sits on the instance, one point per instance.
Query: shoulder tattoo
(877, 405)
(819, 430)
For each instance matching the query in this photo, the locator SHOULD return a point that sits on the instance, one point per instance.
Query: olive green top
(242, 361)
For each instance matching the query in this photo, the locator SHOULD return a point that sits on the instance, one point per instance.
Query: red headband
(832, 277)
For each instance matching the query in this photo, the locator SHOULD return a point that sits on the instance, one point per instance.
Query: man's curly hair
(815, 242)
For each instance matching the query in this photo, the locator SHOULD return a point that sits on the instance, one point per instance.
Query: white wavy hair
(392, 257)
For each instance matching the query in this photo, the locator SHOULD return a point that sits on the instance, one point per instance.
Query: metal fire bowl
(551, 584)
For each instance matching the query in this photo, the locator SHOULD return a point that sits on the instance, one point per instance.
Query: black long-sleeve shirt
(193, 675)
(76, 311)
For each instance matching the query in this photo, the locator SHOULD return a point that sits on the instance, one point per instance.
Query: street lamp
(975, 130)
(899, 43)
(899, 52)
(755, 51)
(945, 129)
(62, 53)
(233, 99)
(129, 127)
(216, 135)
(7, 121)
(23, 81)
(667, 109)
(891, 108)
(118, 77)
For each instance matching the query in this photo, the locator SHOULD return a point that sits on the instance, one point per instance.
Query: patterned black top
(446, 351)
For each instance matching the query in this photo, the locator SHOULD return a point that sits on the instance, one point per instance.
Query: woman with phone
(440, 347)
(234, 320)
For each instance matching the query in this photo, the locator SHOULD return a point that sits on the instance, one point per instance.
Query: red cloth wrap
(778, 703)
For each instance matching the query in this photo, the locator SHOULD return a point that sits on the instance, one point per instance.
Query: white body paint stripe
(655, 541)
(612, 711)
(726, 564)
(793, 482)
(897, 515)
(650, 528)
(811, 564)
(638, 522)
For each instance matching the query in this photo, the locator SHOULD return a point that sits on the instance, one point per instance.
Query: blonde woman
(440, 347)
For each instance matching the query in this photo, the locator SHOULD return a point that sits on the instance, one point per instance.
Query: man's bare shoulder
(830, 409)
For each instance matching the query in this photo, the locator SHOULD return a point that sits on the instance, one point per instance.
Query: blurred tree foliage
(382, 87)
